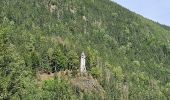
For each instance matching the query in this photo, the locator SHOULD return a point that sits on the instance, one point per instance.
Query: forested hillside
(127, 54)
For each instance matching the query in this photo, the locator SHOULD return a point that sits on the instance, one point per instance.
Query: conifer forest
(41, 42)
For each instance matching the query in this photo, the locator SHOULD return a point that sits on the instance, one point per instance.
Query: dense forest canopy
(127, 54)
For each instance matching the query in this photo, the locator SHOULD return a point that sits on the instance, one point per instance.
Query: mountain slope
(128, 54)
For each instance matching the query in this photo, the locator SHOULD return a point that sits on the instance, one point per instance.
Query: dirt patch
(45, 76)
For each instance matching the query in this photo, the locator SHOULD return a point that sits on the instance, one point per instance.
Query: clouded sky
(157, 10)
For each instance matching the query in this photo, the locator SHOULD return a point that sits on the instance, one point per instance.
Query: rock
(88, 84)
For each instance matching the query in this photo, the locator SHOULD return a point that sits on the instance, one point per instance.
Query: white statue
(83, 63)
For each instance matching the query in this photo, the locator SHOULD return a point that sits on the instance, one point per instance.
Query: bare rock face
(52, 7)
(88, 84)
(84, 18)
(72, 11)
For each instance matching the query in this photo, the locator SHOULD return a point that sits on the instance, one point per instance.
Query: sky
(157, 10)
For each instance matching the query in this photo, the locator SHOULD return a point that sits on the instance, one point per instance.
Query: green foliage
(57, 89)
(14, 76)
(95, 71)
(127, 53)
(73, 60)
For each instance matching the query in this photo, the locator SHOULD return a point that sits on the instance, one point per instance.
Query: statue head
(83, 55)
